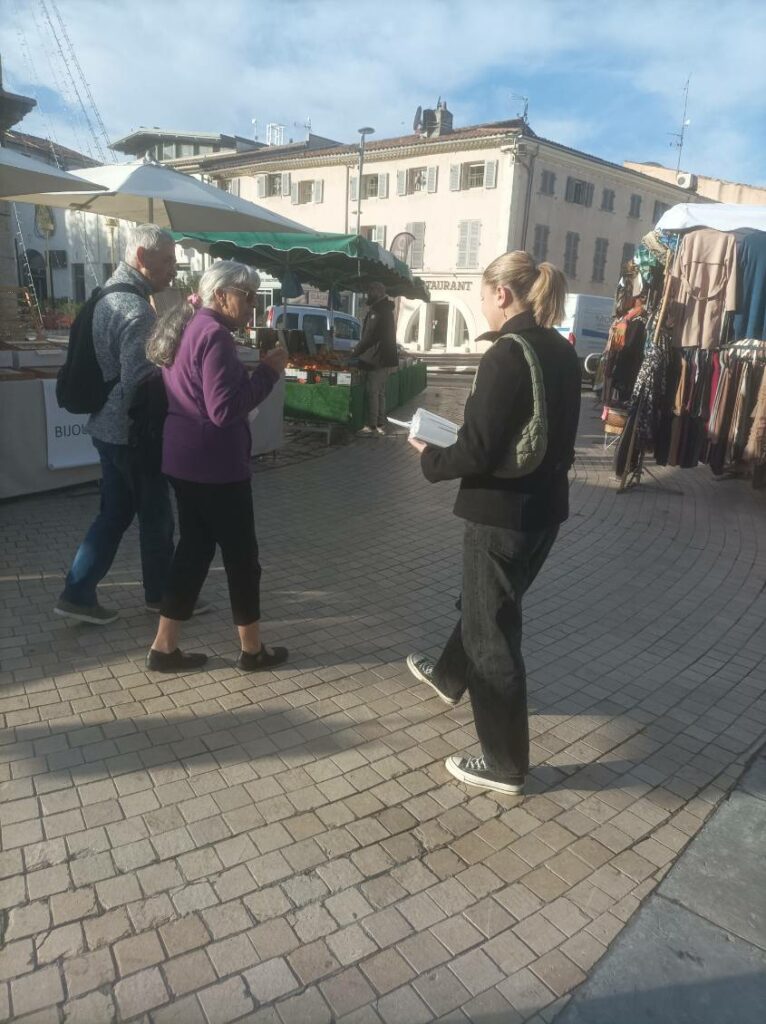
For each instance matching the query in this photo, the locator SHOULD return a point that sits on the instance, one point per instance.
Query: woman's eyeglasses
(248, 293)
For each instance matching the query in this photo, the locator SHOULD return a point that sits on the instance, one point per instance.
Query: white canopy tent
(719, 216)
(148, 192)
(22, 174)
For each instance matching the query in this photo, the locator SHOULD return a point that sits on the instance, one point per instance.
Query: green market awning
(342, 262)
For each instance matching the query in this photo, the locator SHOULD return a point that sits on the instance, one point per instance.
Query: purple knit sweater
(210, 393)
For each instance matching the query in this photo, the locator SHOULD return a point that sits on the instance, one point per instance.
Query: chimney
(443, 119)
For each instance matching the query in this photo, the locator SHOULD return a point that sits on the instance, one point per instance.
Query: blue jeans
(483, 654)
(126, 491)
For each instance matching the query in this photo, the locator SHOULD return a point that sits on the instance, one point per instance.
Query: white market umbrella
(21, 174)
(720, 216)
(147, 192)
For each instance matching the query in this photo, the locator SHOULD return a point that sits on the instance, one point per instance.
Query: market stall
(323, 387)
(694, 303)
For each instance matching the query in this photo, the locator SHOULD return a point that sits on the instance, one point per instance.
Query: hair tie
(194, 300)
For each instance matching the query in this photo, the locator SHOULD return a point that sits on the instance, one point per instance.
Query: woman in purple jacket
(206, 455)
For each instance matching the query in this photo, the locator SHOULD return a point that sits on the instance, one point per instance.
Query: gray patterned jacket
(121, 326)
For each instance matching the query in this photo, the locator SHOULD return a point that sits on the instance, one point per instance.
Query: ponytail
(547, 296)
(543, 287)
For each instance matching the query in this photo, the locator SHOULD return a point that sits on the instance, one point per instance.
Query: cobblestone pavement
(289, 847)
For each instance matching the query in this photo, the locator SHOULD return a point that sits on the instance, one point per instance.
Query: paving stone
(189, 972)
(88, 972)
(35, 991)
(97, 1006)
(140, 992)
(271, 979)
(225, 1001)
(137, 952)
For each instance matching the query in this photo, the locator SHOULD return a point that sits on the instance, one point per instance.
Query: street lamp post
(363, 132)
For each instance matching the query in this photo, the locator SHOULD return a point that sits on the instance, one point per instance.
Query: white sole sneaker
(452, 764)
(422, 678)
(84, 617)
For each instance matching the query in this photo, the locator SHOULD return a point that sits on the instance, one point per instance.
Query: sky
(604, 77)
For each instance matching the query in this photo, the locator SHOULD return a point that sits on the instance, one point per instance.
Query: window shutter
(294, 194)
(354, 188)
(490, 174)
(474, 242)
(382, 186)
(432, 179)
(260, 186)
(570, 190)
(286, 185)
(589, 194)
(454, 177)
(319, 191)
(462, 244)
(418, 231)
(401, 183)
(379, 235)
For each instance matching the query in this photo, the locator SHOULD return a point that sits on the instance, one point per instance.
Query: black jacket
(494, 414)
(377, 349)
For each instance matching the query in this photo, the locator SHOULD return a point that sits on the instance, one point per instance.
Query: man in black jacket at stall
(377, 355)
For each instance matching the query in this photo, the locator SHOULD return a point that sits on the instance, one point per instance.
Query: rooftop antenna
(680, 136)
(524, 113)
(306, 125)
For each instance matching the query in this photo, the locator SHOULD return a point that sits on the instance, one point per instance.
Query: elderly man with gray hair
(122, 322)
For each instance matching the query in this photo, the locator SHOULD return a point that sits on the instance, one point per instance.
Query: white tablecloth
(30, 444)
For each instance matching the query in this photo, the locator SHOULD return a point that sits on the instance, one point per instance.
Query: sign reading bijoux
(448, 286)
(68, 444)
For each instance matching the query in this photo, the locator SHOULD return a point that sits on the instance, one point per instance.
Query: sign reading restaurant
(448, 286)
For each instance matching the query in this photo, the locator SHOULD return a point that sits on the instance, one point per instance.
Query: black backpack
(80, 385)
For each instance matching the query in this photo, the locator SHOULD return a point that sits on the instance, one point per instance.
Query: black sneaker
(423, 670)
(176, 661)
(474, 772)
(200, 608)
(95, 614)
(262, 660)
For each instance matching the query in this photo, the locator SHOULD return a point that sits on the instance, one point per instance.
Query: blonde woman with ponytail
(206, 456)
(512, 457)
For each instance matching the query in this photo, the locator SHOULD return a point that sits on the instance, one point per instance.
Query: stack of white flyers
(429, 428)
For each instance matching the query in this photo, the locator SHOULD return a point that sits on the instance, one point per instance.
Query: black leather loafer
(262, 660)
(176, 661)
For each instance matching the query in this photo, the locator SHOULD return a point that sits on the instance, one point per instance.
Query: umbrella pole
(150, 211)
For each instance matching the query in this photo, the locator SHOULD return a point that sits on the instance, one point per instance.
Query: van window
(292, 321)
(346, 329)
(315, 326)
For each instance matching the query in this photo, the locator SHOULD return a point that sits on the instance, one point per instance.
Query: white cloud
(346, 63)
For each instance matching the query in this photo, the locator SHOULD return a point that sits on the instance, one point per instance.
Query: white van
(586, 323)
(313, 320)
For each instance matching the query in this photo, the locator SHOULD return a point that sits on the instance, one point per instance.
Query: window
(548, 184)
(417, 248)
(78, 281)
(273, 184)
(416, 179)
(599, 259)
(374, 232)
(635, 207)
(473, 175)
(540, 250)
(369, 186)
(315, 327)
(469, 239)
(570, 253)
(302, 192)
(579, 192)
(346, 329)
(628, 250)
(659, 209)
(607, 200)
(374, 186)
